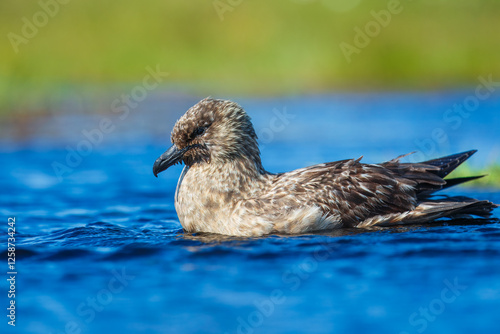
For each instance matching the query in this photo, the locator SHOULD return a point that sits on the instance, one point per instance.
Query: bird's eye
(199, 131)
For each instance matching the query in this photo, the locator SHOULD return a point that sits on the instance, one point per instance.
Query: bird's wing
(356, 191)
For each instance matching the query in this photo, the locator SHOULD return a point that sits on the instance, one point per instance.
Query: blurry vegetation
(243, 47)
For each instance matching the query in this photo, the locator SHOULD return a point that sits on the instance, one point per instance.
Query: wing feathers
(376, 194)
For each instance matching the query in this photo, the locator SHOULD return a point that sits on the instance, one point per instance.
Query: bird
(224, 188)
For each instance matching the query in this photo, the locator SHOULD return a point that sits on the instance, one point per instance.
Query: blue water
(99, 249)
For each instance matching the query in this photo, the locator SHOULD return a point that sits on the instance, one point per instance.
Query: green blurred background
(241, 47)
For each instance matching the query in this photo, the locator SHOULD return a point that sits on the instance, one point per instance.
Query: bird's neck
(236, 176)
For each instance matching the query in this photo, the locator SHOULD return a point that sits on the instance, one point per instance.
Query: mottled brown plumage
(224, 188)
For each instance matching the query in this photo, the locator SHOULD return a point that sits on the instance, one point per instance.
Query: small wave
(100, 234)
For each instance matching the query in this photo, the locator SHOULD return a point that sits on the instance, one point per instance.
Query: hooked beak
(171, 156)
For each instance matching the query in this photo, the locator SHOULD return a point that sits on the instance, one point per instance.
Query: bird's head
(211, 132)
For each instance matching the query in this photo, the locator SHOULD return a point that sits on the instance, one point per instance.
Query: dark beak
(167, 159)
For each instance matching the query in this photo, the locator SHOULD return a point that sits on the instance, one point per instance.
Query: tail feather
(429, 175)
(456, 206)
(425, 212)
(425, 192)
(460, 180)
(449, 163)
